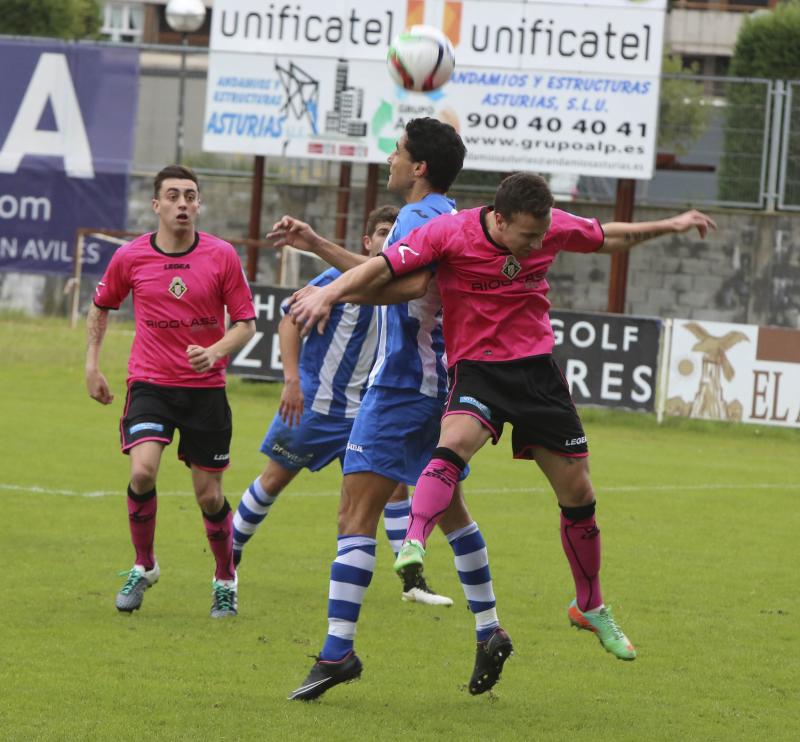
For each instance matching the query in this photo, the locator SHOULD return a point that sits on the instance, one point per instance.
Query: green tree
(682, 117)
(765, 48)
(64, 19)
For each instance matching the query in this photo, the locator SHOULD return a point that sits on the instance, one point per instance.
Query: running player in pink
(181, 282)
(491, 266)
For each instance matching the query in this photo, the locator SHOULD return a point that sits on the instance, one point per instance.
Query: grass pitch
(699, 526)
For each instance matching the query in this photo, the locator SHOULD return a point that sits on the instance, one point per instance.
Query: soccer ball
(421, 59)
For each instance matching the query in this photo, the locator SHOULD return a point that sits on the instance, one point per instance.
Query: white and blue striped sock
(351, 573)
(253, 508)
(395, 520)
(472, 564)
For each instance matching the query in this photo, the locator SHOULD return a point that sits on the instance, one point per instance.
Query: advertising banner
(546, 86)
(736, 373)
(608, 359)
(66, 144)
(261, 357)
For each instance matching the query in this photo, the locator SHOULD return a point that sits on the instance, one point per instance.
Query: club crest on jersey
(511, 267)
(177, 287)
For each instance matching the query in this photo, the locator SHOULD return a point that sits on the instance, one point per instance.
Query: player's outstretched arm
(398, 291)
(292, 401)
(291, 231)
(622, 236)
(96, 384)
(203, 359)
(311, 306)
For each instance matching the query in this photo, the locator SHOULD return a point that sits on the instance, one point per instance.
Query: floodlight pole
(181, 100)
(184, 17)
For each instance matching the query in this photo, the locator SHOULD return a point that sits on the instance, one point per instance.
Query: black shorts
(201, 415)
(530, 393)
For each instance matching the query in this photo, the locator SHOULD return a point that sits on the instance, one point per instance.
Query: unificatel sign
(736, 373)
(548, 86)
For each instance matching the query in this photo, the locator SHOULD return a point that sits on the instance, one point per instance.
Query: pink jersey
(179, 299)
(495, 306)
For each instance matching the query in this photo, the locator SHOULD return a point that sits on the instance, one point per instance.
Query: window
(123, 21)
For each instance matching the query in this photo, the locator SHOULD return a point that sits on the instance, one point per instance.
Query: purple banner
(66, 143)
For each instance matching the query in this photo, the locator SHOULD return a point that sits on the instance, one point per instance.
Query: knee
(275, 478)
(210, 500)
(580, 494)
(143, 478)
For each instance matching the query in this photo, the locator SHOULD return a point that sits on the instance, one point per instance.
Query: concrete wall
(748, 271)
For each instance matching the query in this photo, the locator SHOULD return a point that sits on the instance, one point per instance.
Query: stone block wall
(748, 271)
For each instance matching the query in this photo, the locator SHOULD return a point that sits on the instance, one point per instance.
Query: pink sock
(220, 539)
(142, 522)
(581, 542)
(431, 498)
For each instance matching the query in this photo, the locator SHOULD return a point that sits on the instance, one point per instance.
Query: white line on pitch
(36, 490)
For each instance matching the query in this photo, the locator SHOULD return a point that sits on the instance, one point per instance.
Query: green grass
(699, 524)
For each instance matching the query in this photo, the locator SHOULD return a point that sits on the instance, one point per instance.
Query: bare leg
(256, 502)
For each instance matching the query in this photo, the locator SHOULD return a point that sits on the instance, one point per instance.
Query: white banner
(551, 87)
(738, 373)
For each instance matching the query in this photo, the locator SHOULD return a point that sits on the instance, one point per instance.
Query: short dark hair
(439, 145)
(173, 171)
(386, 213)
(523, 193)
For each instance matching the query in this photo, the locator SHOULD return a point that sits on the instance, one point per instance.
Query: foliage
(64, 19)
(691, 513)
(683, 117)
(765, 48)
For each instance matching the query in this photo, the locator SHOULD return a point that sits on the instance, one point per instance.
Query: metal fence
(789, 178)
(723, 141)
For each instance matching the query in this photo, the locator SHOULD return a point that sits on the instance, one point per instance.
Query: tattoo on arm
(630, 237)
(96, 326)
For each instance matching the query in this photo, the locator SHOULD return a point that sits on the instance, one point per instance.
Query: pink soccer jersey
(178, 300)
(495, 306)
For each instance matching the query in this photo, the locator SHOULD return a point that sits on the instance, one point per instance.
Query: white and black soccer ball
(421, 59)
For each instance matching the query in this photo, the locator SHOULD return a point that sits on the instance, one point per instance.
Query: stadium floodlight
(185, 17)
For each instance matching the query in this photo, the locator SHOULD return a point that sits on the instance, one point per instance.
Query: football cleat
(490, 657)
(411, 553)
(417, 590)
(325, 675)
(603, 625)
(224, 598)
(130, 597)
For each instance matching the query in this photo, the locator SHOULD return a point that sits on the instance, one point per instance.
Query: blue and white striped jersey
(410, 342)
(334, 366)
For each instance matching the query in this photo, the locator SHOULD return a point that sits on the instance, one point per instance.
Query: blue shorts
(312, 445)
(394, 434)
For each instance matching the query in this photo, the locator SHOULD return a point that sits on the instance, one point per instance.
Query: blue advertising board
(67, 124)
